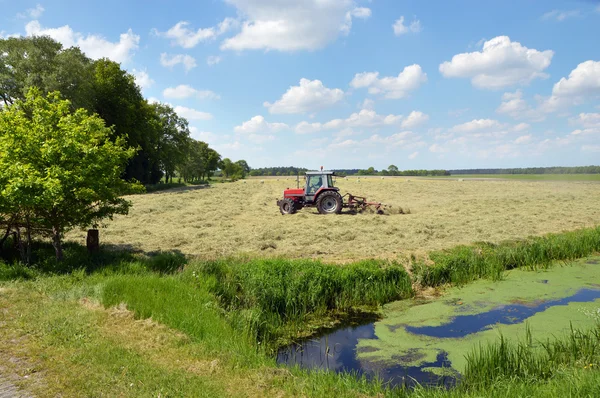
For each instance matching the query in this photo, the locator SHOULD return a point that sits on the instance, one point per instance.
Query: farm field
(242, 219)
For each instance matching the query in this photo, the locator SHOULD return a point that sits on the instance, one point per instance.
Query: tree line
(533, 170)
(75, 135)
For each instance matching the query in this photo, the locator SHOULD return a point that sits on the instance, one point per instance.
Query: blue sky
(351, 83)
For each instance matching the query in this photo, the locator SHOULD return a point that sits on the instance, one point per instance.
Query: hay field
(242, 218)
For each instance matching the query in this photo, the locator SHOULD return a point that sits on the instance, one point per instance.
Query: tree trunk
(56, 242)
(28, 254)
(20, 245)
(93, 240)
(6, 235)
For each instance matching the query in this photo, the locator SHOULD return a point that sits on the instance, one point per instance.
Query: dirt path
(9, 390)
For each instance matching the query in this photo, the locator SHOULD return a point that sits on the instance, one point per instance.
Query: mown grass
(242, 218)
(487, 260)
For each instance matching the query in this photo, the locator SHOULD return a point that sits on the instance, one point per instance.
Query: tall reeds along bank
(464, 264)
(531, 361)
(276, 292)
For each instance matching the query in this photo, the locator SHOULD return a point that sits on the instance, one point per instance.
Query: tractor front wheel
(330, 203)
(287, 206)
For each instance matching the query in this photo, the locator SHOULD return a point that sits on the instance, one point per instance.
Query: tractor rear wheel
(330, 203)
(287, 206)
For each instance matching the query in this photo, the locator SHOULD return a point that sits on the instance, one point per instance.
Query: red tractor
(321, 193)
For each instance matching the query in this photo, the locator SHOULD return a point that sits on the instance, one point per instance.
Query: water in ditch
(425, 341)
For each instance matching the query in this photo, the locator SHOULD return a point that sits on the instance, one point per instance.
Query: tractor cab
(317, 181)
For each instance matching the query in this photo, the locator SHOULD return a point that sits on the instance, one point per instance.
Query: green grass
(276, 293)
(486, 260)
(530, 177)
(531, 361)
(235, 312)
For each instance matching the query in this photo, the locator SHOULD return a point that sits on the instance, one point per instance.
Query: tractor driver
(315, 184)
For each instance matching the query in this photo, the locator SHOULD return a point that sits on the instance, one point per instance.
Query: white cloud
(142, 78)
(364, 118)
(181, 35)
(559, 15)
(258, 124)
(583, 81)
(33, 13)
(170, 61)
(361, 12)
(501, 63)
(524, 139)
(292, 25)
(400, 28)
(582, 84)
(184, 91)
(476, 125)
(94, 46)
(521, 127)
(213, 60)
(588, 120)
(192, 114)
(413, 155)
(415, 119)
(407, 81)
(516, 107)
(308, 128)
(309, 96)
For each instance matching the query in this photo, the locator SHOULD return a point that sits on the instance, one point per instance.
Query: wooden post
(93, 240)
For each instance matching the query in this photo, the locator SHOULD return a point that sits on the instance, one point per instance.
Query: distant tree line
(533, 170)
(392, 170)
(277, 171)
(160, 138)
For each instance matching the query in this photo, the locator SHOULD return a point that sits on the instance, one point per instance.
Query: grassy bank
(487, 260)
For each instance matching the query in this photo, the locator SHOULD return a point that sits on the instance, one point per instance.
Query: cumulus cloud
(476, 125)
(170, 61)
(437, 148)
(184, 91)
(142, 78)
(212, 60)
(582, 84)
(308, 96)
(588, 120)
(258, 124)
(292, 25)
(524, 139)
(192, 114)
(501, 63)
(516, 107)
(93, 46)
(34, 13)
(308, 128)
(182, 35)
(364, 118)
(415, 119)
(413, 155)
(401, 29)
(401, 86)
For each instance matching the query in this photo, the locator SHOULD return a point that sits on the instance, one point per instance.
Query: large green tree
(173, 139)
(42, 62)
(118, 100)
(60, 169)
